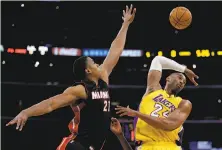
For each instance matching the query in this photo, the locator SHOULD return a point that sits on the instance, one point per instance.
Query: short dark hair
(79, 67)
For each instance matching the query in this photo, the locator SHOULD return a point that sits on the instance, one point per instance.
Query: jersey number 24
(156, 112)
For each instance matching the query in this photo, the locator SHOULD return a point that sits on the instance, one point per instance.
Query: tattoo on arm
(150, 89)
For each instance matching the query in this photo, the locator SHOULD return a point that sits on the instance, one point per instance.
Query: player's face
(176, 82)
(93, 68)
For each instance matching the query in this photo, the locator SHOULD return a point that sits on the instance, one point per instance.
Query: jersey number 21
(106, 107)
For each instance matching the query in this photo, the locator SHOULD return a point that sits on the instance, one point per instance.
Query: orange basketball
(180, 18)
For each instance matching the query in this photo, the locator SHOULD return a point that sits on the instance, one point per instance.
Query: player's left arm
(172, 122)
(118, 44)
(116, 128)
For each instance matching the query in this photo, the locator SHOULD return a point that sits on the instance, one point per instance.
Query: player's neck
(93, 79)
(168, 91)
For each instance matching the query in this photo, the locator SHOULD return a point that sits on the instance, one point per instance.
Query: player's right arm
(158, 64)
(172, 122)
(69, 96)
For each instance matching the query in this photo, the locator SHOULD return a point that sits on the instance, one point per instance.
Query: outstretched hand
(191, 75)
(20, 120)
(125, 111)
(129, 14)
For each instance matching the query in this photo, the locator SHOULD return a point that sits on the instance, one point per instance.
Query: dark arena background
(41, 40)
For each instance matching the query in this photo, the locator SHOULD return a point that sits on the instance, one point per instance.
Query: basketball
(180, 18)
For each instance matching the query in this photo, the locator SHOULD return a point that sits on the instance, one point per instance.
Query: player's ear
(168, 79)
(88, 71)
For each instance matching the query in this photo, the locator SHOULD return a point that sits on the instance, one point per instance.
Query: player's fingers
(18, 124)
(123, 114)
(127, 9)
(120, 111)
(196, 76)
(120, 106)
(114, 119)
(11, 122)
(111, 127)
(131, 8)
(22, 125)
(124, 13)
(194, 82)
(134, 11)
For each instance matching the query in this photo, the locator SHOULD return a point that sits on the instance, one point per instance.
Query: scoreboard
(101, 52)
(185, 53)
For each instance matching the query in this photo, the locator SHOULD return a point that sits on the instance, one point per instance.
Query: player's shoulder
(153, 91)
(104, 74)
(178, 98)
(185, 104)
(77, 90)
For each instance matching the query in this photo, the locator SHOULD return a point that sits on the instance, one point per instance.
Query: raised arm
(118, 44)
(172, 122)
(69, 96)
(158, 64)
